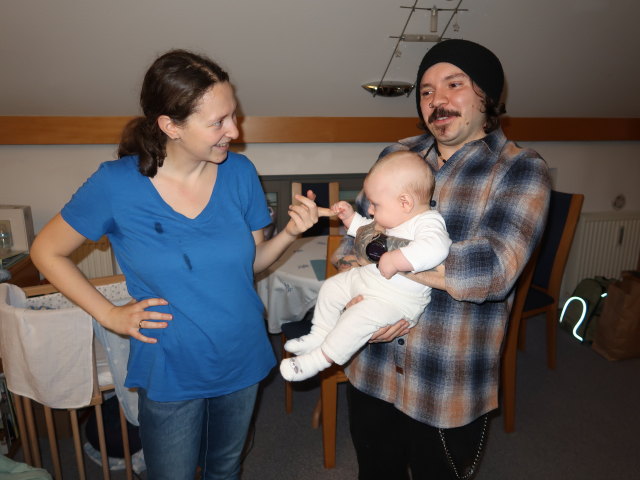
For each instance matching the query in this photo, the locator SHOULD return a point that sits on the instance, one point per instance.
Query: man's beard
(440, 112)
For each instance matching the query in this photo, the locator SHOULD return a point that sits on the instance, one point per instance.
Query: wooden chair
(26, 420)
(509, 354)
(326, 409)
(326, 195)
(329, 380)
(542, 297)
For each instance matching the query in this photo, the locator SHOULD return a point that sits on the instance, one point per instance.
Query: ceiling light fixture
(398, 88)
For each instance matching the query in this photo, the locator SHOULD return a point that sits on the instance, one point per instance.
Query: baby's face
(384, 198)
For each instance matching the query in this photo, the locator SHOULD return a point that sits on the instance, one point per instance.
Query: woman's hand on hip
(129, 319)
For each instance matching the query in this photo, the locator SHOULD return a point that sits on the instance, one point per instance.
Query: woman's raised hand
(305, 213)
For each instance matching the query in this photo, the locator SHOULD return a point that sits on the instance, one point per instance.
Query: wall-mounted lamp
(398, 88)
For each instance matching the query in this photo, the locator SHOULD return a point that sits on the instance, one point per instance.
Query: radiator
(605, 244)
(95, 259)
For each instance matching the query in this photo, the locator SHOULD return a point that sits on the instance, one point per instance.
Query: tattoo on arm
(367, 233)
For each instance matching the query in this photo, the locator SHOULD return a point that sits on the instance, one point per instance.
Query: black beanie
(482, 66)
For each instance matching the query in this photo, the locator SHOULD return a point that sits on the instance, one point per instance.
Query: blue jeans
(209, 432)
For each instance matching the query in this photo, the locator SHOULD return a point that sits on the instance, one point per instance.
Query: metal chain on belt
(476, 459)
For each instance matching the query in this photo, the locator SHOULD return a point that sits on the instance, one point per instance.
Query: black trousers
(390, 444)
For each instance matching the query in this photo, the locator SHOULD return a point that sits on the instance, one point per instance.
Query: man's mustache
(442, 112)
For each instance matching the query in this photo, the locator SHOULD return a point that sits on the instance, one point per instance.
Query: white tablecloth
(289, 287)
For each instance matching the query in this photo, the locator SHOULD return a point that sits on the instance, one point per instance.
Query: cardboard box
(20, 222)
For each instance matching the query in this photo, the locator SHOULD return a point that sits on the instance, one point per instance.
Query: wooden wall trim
(42, 130)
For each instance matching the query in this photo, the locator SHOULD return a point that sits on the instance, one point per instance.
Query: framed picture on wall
(16, 223)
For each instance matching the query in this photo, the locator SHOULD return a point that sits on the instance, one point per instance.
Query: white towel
(47, 354)
(46, 345)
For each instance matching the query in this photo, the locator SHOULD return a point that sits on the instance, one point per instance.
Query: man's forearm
(433, 278)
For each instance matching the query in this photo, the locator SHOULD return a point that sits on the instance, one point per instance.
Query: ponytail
(145, 139)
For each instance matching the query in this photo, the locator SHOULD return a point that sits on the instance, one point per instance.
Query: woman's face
(206, 134)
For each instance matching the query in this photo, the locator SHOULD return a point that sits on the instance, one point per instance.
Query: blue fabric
(216, 342)
(177, 436)
(319, 268)
(559, 204)
(536, 299)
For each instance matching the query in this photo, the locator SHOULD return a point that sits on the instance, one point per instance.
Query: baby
(399, 187)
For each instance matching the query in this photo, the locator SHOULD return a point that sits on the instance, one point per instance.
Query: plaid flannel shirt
(494, 197)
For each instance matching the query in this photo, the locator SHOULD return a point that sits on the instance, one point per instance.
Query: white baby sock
(305, 343)
(304, 366)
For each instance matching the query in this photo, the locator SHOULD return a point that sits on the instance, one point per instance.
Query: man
(419, 399)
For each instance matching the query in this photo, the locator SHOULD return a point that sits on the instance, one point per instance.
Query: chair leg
(509, 388)
(53, 443)
(288, 396)
(316, 416)
(22, 428)
(125, 444)
(288, 389)
(552, 328)
(75, 430)
(329, 395)
(522, 334)
(102, 442)
(33, 434)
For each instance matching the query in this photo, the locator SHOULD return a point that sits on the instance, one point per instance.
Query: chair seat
(537, 299)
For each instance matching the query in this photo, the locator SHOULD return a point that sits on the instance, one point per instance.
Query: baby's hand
(386, 266)
(345, 212)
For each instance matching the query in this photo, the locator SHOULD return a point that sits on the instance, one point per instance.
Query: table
(24, 273)
(290, 286)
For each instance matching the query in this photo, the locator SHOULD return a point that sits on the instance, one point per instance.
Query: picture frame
(20, 223)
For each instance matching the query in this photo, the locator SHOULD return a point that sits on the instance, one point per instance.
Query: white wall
(44, 177)
(562, 58)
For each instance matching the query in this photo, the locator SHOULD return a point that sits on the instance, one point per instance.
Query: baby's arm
(393, 262)
(430, 244)
(345, 212)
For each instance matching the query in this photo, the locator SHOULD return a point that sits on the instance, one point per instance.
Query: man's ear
(406, 201)
(168, 127)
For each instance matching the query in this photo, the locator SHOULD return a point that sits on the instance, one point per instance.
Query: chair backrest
(522, 288)
(326, 195)
(564, 213)
(509, 353)
(333, 242)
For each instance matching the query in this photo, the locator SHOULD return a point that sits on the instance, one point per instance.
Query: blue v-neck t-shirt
(216, 343)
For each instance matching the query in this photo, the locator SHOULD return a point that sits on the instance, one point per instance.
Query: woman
(185, 217)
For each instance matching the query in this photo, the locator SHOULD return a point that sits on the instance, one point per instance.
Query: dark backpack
(580, 312)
